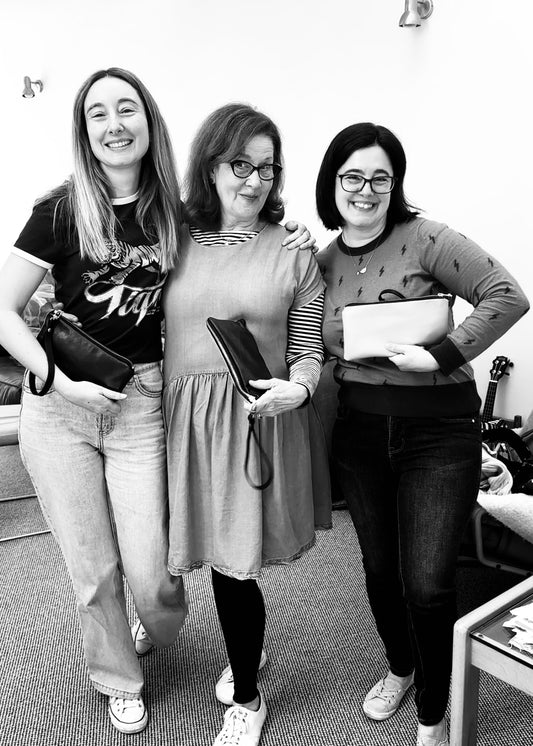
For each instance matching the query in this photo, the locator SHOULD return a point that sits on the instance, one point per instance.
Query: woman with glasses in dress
(233, 266)
(407, 440)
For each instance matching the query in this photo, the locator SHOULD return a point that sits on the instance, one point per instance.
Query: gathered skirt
(216, 517)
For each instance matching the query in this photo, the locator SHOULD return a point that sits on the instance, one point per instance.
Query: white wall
(455, 90)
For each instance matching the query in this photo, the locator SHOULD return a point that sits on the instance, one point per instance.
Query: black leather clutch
(79, 356)
(244, 362)
(240, 352)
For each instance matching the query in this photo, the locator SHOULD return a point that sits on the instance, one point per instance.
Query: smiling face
(364, 213)
(117, 128)
(241, 200)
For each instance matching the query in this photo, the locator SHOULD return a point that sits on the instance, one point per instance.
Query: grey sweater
(417, 258)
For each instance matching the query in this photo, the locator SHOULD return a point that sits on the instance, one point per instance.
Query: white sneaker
(385, 697)
(141, 640)
(128, 715)
(224, 686)
(440, 739)
(242, 727)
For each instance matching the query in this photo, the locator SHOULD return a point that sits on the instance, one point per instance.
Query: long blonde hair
(87, 206)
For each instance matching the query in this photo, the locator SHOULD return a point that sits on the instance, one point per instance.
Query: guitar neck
(490, 398)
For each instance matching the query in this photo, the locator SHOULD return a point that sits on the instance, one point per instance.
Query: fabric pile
(522, 626)
(514, 510)
(496, 479)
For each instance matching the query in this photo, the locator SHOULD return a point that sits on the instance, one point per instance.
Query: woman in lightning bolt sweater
(407, 440)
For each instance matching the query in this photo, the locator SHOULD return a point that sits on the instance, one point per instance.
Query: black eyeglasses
(267, 172)
(356, 183)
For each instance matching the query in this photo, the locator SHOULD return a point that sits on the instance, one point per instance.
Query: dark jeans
(410, 484)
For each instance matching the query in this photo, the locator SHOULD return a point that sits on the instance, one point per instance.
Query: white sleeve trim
(31, 258)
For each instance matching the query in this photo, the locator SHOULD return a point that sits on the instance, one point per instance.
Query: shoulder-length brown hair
(221, 138)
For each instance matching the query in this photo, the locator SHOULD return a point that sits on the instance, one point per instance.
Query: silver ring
(253, 407)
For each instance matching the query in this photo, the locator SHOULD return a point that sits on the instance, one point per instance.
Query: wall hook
(29, 86)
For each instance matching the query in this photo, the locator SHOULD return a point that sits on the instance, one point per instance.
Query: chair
(11, 375)
(9, 416)
(480, 644)
(493, 544)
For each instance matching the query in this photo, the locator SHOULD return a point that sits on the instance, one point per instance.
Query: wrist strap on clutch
(49, 349)
(264, 459)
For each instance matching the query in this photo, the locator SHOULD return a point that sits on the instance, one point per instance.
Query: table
(480, 644)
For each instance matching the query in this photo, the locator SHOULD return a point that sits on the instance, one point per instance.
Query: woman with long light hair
(97, 457)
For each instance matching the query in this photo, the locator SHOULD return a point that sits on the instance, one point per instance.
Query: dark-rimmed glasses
(266, 172)
(381, 184)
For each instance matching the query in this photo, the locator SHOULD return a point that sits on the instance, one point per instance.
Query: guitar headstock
(499, 366)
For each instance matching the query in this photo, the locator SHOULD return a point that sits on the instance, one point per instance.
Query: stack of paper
(522, 626)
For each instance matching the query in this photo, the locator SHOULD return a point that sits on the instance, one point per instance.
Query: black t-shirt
(118, 302)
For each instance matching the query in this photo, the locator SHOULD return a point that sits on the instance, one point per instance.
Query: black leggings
(241, 611)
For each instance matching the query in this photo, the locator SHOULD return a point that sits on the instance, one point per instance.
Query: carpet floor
(324, 655)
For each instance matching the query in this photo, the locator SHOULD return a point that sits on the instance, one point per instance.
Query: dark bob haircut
(352, 138)
(221, 138)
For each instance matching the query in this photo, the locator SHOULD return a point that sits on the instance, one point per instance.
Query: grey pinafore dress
(216, 518)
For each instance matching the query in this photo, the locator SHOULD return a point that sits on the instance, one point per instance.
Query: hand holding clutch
(412, 358)
(279, 396)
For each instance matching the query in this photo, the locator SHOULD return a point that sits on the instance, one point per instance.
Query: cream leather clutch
(368, 327)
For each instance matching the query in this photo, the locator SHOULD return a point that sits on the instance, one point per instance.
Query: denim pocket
(460, 428)
(38, 385)
(149, 381)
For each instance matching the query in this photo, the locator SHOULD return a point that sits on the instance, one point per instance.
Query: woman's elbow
(524, 304)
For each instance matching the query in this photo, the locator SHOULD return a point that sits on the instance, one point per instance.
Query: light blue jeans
(101, 482)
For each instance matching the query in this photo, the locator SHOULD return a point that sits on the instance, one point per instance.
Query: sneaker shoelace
(386, 694)
(234, 726)
(126, 704)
